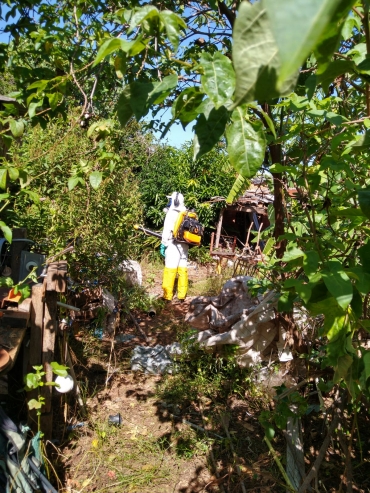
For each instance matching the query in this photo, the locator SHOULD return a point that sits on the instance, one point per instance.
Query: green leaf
(7, 232)
(58, 369)
(311, 263)
(331, 36)
(124, 109)
(136, 98)
(255, 56)
(356, 303)
(74, 181)
(238, 186)
(366, 361)
(338, 283)
(344, 363)
(246, 144)
(54, 98)
(25, 291)
(292, 253)
(218, 79)
(141, 14)
(120, 64)
(297, 27)
(13, 174)
(16, 127)
(208, 129)
(364, 201)
(185, 107)
(172, 23)
(39, 84)
(95, 179)
(335, 118)
(332, 71)
(3, 178)
(285, 303)
(32, 195)
(311, 83)
(34, 404)
(6, 282)
(112, 45)
(33, 107)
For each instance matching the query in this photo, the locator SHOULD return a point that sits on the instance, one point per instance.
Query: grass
(125, 458)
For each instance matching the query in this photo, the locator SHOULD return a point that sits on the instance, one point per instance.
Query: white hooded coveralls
(176, 254)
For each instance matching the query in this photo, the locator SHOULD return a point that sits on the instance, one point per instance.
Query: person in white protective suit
(175, 253)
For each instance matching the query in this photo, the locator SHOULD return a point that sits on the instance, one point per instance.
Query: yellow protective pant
(169, 277)
(182, 282)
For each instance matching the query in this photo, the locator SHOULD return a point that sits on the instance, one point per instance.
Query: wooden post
(219, 226)
(15, 252)
(37, 316)
(48, 346)
(35, 347)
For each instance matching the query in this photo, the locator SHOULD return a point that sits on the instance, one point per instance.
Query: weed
(198, 372)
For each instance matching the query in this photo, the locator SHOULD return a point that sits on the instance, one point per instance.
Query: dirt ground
(160, 445)
(154, 449)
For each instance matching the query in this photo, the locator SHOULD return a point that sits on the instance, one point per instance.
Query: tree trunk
(275, 152)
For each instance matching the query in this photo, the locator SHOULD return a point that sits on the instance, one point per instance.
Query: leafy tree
(170, 169)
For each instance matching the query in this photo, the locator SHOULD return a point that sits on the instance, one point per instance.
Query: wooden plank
(51, 277)
(48, 343)
(37, 317)
(61, 284)
(14, 319)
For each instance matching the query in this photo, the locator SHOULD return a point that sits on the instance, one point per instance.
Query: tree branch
(229, 14)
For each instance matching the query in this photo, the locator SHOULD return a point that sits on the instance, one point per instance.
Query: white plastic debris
(155, 360)
(132, 272)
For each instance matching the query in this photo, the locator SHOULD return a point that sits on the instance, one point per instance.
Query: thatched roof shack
(239, 222)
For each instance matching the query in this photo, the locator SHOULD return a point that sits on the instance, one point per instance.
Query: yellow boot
(169, 276)
(182, 283)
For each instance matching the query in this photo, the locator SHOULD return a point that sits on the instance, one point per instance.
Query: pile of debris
(234, 317)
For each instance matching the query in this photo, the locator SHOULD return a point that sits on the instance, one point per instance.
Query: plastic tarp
(234, 317)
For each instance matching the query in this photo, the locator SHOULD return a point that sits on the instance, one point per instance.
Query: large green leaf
(3, 178)
(137, 97)
(96, 178)
(185, 107)
(74, 181)
(331, 36)
(218, 79)
(7, 232)
(255, 56)
(246, 144)
(292, 253)
(336, 68)
(338, 283)
(298, 26)
(112, 45)
(16, 127)
(172, 23)
(141, 14)
(237, 187)
(124, 109)
(364, 201)
(208, 130)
